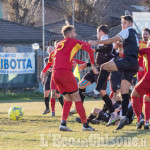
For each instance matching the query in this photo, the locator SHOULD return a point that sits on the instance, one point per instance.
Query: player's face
(99, 35)
(50, 49)
(73, 34)
(145, 35)
(125, 24)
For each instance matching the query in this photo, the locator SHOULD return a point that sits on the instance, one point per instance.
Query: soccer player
(141, 89)
(140, 74)
(128, 65)
(103, 54)
(64, 78)
(46, 80)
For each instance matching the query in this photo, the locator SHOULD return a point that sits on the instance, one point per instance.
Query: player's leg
(81, 111)
(46, 99)
(53, 100)
(60, 98)
(147, 110)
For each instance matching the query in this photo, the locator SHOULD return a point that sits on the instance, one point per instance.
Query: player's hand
(94, 69)
(141, 69)
(92, 42)
(43, 82)
(82, 66)
(42, 75)
(93, 50)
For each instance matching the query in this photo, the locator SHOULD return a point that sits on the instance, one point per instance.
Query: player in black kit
(128, 65)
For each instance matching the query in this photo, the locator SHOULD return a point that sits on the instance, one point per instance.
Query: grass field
(41, 132)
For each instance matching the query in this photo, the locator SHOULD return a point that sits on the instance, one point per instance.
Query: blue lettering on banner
(29, 64)
(6, 65)
(13, 62)
(18, 63)
(23, 63)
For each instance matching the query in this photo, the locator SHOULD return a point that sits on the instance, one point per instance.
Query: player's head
(126, 21)
(102, 30)
(145, 34)
(69, 31)
(50, 49)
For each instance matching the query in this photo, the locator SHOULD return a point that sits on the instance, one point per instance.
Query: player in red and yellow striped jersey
(64, 78)
(142, 88)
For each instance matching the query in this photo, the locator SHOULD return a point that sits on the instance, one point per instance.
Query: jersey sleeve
(124, 34)
(47, 67)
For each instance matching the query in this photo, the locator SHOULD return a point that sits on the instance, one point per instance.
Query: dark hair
(104, 28)
(66, 29)
(146, 29)
(128, 18)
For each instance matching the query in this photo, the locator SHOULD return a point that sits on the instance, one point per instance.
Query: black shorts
(104, 116)
(47, 83)
(129, 67)
(90, 76)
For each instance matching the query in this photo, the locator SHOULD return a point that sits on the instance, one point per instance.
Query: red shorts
(65, 81)
(53, 86)
(143, 86)
(140, 75)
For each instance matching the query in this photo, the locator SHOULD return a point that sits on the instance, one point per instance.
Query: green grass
(27, 133)
(21, 96)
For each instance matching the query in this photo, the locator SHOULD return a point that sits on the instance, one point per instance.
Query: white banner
(142, 19)
(17, 63)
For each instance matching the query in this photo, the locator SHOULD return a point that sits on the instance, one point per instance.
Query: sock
(81, 111)
(53, 104)
(118, 102)
(101, 79)
(103, 116)
(46, 99)
(66, 110)
(81, 94)
(63, 123)
(108, 103)
(125, 103)
(105, 107)
(90, 118)
(115, 105)
(136, 107)
(61, 101)
(147, 110)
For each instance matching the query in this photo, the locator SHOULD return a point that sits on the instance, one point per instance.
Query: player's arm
(88, 48)
(124, 34)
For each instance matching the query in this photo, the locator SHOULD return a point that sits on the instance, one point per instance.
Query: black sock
(46, 102)
(105, 107)
(103, 116)
(63, 123)
(108, 103)
(125, 103)
(118, 102)
(81, 94)
(86, 125)
(101, 79)
(116, 105)
(61, 101)
(90, 118)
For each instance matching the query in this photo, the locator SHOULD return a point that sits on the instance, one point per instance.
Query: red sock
(66, 109)
(147, 110)
(141, 102)
(136, 107)
(81, 111)
(53, 104)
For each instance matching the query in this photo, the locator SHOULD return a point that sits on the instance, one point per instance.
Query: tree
(145, 3)
(24, 11)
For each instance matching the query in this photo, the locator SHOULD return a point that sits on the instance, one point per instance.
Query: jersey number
(61, 44)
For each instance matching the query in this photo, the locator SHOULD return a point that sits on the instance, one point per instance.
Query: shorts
(104, 116)
(143, 86)
(65, 81)
(90, 76)
(129, 67)
(47, 83)
(115, 84)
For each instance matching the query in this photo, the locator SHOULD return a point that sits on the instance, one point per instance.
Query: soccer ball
(16, 113)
